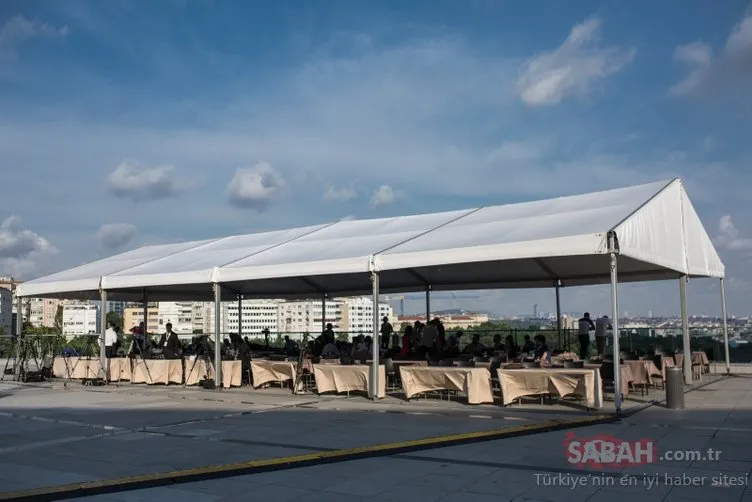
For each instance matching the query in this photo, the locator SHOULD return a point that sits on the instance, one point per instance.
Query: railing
(566, 339)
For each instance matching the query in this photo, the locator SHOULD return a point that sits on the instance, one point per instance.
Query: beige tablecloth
(76, 368)
(164, 371)
(198, 370)
(119, 368)
(264, 372)
(347, 378)
(644, 372)
(585, 383)
(475, 382)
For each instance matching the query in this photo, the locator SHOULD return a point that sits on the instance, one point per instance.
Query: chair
(392, 376)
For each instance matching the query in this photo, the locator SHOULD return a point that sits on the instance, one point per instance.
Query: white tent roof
(531, 244)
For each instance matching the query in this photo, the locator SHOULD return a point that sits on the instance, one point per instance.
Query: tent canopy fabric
(532, 244)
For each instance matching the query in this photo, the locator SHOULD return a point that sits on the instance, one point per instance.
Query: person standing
(110, 340)
(585, 325)
(386, 332)
(602, 324)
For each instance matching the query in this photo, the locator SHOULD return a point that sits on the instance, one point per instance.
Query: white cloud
(730, 70)
(382, 196)
(572, 69)
(129, 180)
(116, 235)
(333, 194)
(21, 250)
(256, 187)
(18, 30)
(729, 236)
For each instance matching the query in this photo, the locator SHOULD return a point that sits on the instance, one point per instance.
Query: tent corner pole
(558, 313)
(725, 328)
(686, 346)
(217, 335)
(373, 388)
(19, 332)
(102, 330)
(615, 322)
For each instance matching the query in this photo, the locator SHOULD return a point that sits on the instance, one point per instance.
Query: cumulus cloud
(129, 180)
(256, 187)
(572, 69)
(20, 249)
(384, 195)
(729, 236)
(333, 194)
(116, 235)
(18, 30)
(731, 69)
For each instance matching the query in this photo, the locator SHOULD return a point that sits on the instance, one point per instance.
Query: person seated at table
(330, 350)
(475, 348)
(290, 346)
(359, 351)
(527, 345)
(511, 348)
(497, 345)
(542, 352)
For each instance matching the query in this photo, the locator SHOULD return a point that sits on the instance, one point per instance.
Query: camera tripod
(202, 354)
(139, 352)
(299, 370)
(24, 351)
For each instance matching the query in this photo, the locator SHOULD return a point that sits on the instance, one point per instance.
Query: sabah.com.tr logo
(607, 451)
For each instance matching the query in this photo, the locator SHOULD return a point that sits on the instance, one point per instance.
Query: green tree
(116, 320)
(59, 320)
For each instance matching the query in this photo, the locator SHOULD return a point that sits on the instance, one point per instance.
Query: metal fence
(566, 339)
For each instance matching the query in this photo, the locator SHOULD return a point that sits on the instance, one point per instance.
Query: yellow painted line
(76, 490)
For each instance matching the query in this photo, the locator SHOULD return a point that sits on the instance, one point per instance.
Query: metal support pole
(428, 303)
(19, 331)
(376, 346)
(725, 327)
(240, 316)
(615, 323)
(217, 335)
(558, 313)
(146, 313)
(102, 329)
(323, 312)
(687, 349)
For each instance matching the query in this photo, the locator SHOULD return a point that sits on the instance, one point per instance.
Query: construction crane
(401, 299)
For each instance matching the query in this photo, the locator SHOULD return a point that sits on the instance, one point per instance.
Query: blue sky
(132, 122)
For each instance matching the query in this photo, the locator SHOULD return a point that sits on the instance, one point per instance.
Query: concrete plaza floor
(51, 436)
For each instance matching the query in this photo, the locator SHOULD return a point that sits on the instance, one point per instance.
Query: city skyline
(412, 111)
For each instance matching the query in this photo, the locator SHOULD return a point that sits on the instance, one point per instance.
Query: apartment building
(357, 315)
(80, 319)
(6, 312)
(306, 316)
(179, 314)
(42, 311)
(133, 316)
(255, 316)
(200, 317)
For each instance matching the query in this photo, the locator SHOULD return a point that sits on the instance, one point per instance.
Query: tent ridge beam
(547, 269)
(275, 246)
(432, 229)
(312, 284)
(613, 229)
(418, 276)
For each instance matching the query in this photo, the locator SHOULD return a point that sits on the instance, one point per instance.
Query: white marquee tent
(650, 232)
